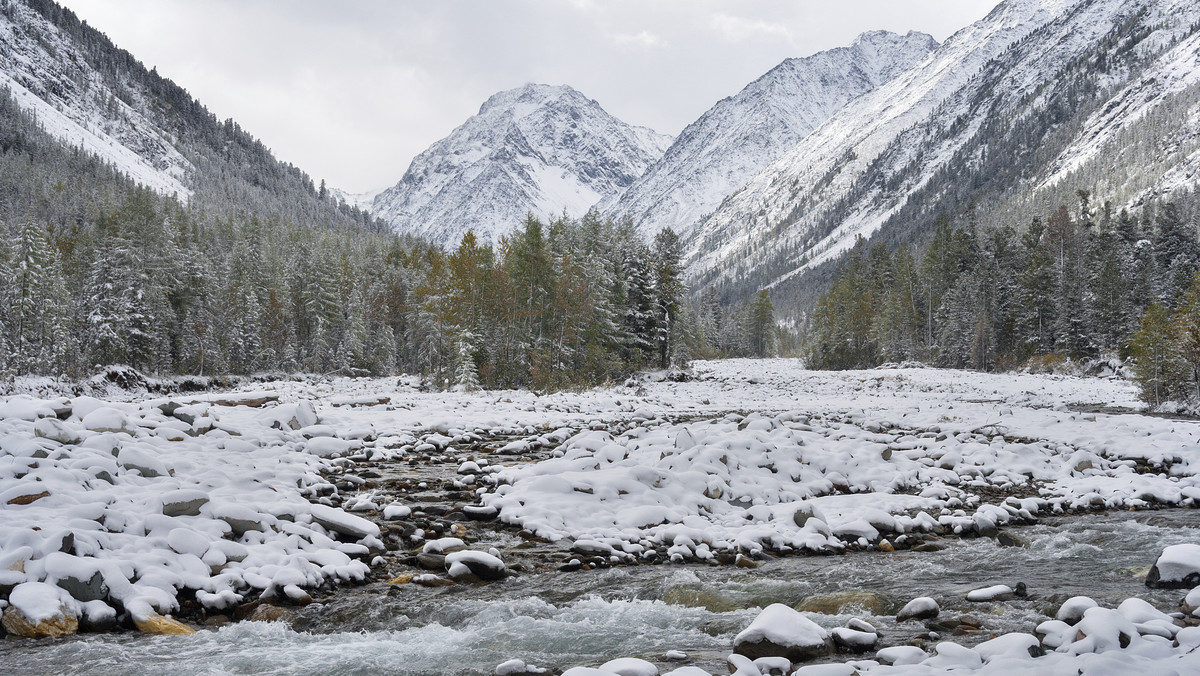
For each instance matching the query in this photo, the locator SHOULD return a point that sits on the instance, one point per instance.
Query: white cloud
(640, 40)
(736, 29)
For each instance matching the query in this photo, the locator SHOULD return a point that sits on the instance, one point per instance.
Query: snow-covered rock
(779, 631)
(920, 608)
(347, 524)
(630, 666)
(1178, 566)
(40, 610)
(482, 565)
(1071, 611)
(996, 592)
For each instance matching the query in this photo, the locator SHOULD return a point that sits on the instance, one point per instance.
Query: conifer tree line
(246, 278)
(1081, 283)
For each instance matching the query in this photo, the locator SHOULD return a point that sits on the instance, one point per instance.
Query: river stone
(480, 512)
(780, 631)
(184, 502)
(1178, 567)
(920, 608)
(997, 592)
(92, 589)
(1007, 539)
(341, 522)
(272, 613)
(838, 603)
(54, 430)
(159, 625)
(430, 561)
(97, 616)
(485, 566)
(40, 610)
(630, 666)
(690, 597)
(853, 640)
(15, 623)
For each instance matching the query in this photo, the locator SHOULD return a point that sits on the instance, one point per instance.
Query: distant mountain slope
(537, 148)
(994, 120)
(90, 94)
(742, 134)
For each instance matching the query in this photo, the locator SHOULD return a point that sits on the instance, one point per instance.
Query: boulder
(920, 608)
(40, 610)
(184, 502)
(839, 603)
(630, 666)
(482, 565)
(1178, 567)
(997, 592)
(780, 631)
(853, 640)
(54, 430)
(157, 624)
(339, 521)
(108, 419)
(901, 655)
(1072, 609)
(692, 597)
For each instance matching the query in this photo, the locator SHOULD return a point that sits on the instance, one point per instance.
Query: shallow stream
(563, 619)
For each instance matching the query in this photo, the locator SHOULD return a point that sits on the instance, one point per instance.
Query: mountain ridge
(742, 134)
(537, 149)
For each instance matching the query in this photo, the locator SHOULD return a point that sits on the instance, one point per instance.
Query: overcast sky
(351, 90)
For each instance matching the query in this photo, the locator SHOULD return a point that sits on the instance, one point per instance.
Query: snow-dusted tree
(466, 374)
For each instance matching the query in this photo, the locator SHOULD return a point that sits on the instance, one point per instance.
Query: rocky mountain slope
(1038, 99)
(744, 133)
(538, 148)
(91, 95)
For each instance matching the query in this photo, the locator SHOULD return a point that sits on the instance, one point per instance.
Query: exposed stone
(63, 624)
(54, 430)
(28, 498)
(839, 603)
(183, 502)
(691, 597)
(1007, 539)
(743, 561)
(431, 561)
(157, 624)
(92, 589)
(267, 612)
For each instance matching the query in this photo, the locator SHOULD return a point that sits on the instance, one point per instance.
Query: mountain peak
(532, 94)
(537, 148)
(743, 134)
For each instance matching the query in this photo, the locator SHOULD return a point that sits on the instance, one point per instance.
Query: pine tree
(1153, 353)
(466, 374)
(762, 325)
(668, 290)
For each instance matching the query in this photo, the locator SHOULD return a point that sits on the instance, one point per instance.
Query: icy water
(586, 617)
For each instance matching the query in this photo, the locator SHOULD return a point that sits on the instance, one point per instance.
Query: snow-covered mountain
(1039, 98)
(47, 70)
(538, 148)
(91, 95)
(743, 134)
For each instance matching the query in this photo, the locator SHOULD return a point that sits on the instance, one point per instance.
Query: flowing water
(562, 619)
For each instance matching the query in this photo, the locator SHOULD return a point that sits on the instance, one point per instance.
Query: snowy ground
(137, 505)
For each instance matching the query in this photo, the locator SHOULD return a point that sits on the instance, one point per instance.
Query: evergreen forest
(251, 275)
(1082, 283)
